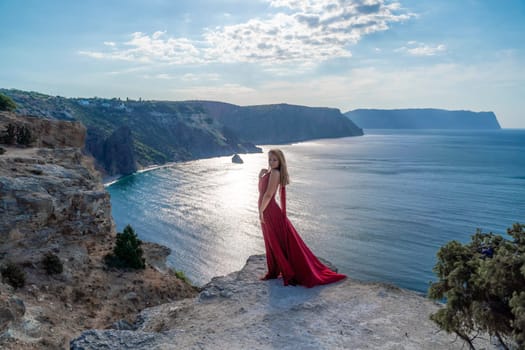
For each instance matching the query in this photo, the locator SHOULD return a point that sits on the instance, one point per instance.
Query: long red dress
(286, 253)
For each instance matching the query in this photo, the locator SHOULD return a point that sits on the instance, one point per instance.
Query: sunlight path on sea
(378, 206)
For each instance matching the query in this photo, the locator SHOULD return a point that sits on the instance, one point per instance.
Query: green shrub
(181, 275)
(483, 283)
(52, 264)
(13, 275)
(2, 150)
(6, 103)
(127, 251)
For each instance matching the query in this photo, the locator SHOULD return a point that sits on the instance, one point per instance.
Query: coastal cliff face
(116, 153)
(281, 123)
(52, 201)
(125, 135)
(238, 311)
(156, 132)
(423, 119)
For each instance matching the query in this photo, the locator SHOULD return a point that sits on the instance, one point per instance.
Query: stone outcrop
(238, 311)
(52, 200)
(237, 159)
(50, 190)
(45, 133)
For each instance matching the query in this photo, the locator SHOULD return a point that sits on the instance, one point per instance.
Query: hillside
(422, 119)
(281, 123)
(124, 135)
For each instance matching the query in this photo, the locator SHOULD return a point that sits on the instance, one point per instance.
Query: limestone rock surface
(238, 311)
(52, 200)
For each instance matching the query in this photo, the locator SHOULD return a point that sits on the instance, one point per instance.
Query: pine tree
(127, 251)
(483, 283)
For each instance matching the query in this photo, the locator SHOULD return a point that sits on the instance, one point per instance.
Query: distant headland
(423, 118)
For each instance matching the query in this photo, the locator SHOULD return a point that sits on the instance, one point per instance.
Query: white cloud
(303, 32)
(149, 49)
(200, 77)
(420, 49)
(163, 76)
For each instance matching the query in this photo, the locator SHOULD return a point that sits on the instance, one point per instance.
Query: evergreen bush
(483, 284)
(127, 252)
(13, 275)
(6, 103)
(52, 264)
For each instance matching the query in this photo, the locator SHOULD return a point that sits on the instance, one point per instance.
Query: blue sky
(347, 54)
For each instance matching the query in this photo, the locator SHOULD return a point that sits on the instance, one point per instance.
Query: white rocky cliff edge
(238, 311)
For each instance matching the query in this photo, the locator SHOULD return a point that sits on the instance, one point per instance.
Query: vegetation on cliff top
(483, 283)
(6, 103)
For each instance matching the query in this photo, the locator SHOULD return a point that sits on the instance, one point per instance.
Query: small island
(237, 159)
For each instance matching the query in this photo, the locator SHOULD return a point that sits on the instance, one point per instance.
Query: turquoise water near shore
(378, 206)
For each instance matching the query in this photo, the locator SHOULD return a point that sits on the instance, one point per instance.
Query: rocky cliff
(167, 131)
(115, 153)
(148, 132)
(239, 311)
(52, 201)
(422, 119)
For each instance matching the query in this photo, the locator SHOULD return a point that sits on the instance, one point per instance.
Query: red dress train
(286, 253)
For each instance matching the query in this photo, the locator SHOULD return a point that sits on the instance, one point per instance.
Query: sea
(377, 206)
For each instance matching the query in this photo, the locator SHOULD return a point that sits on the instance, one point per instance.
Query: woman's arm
(262, 172)
(273, 183)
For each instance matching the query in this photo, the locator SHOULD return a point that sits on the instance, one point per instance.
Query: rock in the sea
(237, 159)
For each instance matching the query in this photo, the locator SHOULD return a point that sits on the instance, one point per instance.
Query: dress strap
(283, 199)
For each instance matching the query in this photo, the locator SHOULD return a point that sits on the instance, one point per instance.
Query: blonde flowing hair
(283, 168)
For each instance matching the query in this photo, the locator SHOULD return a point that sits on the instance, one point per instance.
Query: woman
(286, 253)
